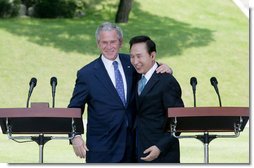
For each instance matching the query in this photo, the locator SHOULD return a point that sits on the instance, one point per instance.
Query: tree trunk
(123, 11)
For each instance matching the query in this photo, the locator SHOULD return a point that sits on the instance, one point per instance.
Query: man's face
(109, 44)
(141, 59)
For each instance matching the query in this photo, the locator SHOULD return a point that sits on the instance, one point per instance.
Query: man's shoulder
(166, 77)
(124, 56)
(88, 67)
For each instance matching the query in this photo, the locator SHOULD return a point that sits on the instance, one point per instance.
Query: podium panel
(38, 119)
(208, 119)
(209, 124)
(37, 125)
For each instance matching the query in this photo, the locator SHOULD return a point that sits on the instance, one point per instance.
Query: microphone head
(193, 81)
(33, 81)
(53, 80)
(213, 81)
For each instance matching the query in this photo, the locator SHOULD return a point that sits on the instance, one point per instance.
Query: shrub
(58, 8)
(29, 3)
(9, 8)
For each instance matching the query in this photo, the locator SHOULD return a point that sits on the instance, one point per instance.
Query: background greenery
(196, 38)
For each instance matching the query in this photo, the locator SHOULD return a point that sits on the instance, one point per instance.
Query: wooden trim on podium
(207, 111)
(40, 110)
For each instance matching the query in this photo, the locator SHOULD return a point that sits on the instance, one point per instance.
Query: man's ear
(121, 43)
(97, 43)
(153, 54)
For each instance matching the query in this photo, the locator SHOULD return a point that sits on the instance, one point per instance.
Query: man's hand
(163, 68)
(79, 146)
(153, 151)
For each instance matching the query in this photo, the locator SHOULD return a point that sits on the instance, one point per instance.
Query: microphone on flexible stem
(53, 83)
(32, 84)
(193, 82)
(214, 82)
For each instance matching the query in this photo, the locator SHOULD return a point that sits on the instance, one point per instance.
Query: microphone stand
(194, 97)
(28, 97)
(218, 94)
(214, 83)
(53, 83)
(219, 99)
(53, 95)
(32, 84)
(53, 101)
(27, 102)
(193, 82)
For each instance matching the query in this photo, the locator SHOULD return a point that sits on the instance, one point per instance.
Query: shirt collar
(149, 74)
(108, 63)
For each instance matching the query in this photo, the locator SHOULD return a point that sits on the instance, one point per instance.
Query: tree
(123, 11)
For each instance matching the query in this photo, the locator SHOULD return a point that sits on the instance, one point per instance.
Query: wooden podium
(39, 120)
(206, 120)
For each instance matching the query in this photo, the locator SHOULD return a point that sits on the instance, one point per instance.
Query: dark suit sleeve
(79, 98)
(171, 98)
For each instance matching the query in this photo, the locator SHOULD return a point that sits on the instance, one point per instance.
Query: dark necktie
(119, 82)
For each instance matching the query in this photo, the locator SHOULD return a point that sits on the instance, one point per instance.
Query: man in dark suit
(155, 93)
(106, 85)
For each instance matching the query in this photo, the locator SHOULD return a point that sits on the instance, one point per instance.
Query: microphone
(193, 82)
(53, 83)
(214, 83)
(32, 84)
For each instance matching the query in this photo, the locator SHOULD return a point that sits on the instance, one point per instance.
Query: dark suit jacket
(161, 91)
(108, 120)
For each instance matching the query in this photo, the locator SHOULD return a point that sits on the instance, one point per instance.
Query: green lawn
(201, 38)
(221, 150)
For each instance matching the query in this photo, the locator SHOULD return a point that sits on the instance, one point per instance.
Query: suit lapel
(128, 75)
(102, 75)
(149, 85)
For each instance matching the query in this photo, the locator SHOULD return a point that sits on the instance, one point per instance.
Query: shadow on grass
(171, 36)
(77, 35)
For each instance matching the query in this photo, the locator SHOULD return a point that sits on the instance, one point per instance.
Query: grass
(221, 150)
(196, 38)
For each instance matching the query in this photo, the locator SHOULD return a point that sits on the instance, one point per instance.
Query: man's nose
(108, 45)
(135, 61)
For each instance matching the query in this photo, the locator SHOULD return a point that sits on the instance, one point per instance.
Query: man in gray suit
(155, 93)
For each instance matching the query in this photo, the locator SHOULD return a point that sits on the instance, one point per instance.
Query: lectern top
(207, 111)
(40, 110)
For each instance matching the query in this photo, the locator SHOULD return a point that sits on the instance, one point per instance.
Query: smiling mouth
(138, 69)
(138, 66)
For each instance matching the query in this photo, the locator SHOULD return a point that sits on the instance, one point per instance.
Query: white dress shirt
(149, 74)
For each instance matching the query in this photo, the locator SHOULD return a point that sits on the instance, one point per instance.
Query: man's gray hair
(107, 26)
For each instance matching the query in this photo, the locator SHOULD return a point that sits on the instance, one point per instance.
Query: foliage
(29, 3)
(58, 8)
(9, 8)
